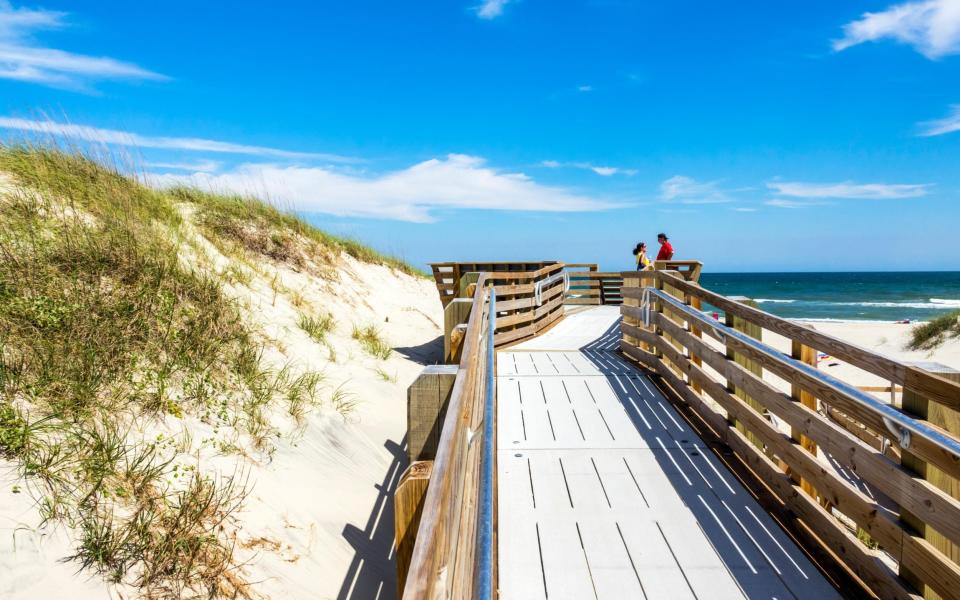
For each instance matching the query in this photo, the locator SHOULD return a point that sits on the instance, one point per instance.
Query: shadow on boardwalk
(372, 573)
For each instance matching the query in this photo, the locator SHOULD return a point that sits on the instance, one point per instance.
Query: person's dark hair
(662, 235)
(638, 248)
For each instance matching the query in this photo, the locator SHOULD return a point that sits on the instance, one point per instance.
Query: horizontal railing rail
(453, 553)
(811, 447)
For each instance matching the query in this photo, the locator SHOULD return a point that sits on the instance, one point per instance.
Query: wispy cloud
(932, 27)
(201, 166)
(782, 203)
(23, 58)
(686, 190)
(948, 124)
(744, 209)
(849, 190)
(584, 88)
(123, 138)
(490, 9)
(456, 181)
(604, 171)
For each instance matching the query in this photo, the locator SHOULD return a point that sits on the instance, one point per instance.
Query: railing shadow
(755, 552)
(428, 353)
(372, 572)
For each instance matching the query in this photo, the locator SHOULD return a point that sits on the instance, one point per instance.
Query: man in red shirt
(666, 250)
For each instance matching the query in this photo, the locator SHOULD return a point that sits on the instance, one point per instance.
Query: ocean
(845, 296)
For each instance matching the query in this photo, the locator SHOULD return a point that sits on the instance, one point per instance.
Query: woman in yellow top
(643, 262)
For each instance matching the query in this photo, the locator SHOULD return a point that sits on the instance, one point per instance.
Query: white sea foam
(945, 302)
(774, 301)
(934, 303)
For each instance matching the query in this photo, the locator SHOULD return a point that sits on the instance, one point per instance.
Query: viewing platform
(600, 435)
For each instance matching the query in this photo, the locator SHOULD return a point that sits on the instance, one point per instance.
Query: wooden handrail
(442, 565)
(673, 347)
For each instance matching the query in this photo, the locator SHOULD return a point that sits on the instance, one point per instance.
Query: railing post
(756, 332)
(455, 313)
(631, 282)
(427, 399)
(408, 508)
(948, 419)
(809, 356)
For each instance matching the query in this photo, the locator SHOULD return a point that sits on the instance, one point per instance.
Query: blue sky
(760, 135)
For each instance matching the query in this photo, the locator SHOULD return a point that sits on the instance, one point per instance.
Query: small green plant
(372, 342)
(929, 335)
(386, 376)
(13, 431)
(343, 400)
(317, 327)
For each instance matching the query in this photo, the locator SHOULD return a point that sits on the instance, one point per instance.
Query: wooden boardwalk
(605, 492)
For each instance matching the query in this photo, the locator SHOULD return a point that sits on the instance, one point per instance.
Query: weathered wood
(756, 332)
(408, 508)
(949, 420)
(933, 505)
(427, 399)
(941, 572)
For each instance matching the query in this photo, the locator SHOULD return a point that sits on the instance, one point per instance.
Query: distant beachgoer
(643, 261)
(666, 249)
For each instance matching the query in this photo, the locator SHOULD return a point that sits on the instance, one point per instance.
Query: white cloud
(744, 209)
(850, 190)
(948, 124)
(23, 58)
(932, 27)
(411, 194)
(201, 166)
(781, 203)
(123, 138)
(686, 190)
(604, 171)
(584, 88)
(490, 9)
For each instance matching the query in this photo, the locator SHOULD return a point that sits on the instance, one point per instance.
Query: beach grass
(933, 333)
(106, 328)
(372, 342)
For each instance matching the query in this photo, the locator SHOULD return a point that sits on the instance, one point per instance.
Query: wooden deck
(605, 492)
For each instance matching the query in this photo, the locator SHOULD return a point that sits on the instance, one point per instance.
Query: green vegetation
(316, 327)
(931, 334)
(258, 227)
(372, 342)
(105, 328)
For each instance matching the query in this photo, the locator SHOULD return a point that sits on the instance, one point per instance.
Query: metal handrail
(539, 285)
(900, 424)
(483, 582)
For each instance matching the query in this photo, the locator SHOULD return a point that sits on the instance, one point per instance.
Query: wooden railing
(451, 283)
(850, 500)
(590, 286)
(446, 552)
(527, 301)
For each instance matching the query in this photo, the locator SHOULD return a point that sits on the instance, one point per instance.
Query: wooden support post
(468, 283)
(807, 355)
(408, 508)
(694, 302)
(427, 400)
(454, 313)
(756, 332)
(947, 419)
(632, 282)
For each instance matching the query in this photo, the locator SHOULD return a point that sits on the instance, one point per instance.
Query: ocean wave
(939, 304)
(773, 300)
(945, 302)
